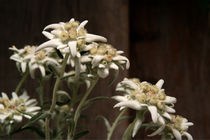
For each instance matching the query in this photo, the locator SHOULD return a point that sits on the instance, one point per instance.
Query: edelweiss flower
(39, 60)
(10, 109)
(179, 126)
(70, 35)
(104, 57)
(143, 95)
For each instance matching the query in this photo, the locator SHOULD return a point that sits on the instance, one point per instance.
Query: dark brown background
(164, 39)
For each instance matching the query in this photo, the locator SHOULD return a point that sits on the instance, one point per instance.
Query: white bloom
(179, 127)
(10, 109)
(103, 57)
(70, 35)
(27, 57)
(143, 95)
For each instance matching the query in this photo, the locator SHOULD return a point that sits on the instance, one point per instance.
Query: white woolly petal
(169, 109)
(24, 96)
(14, 96)
(1, 106)
(161, 120)
(4, 95)
(92, 38)
(51, 43)
(130, 83)
(114, 66)
(85, 59)
(159, 130)
(170, 100)
(23, 67)
(160, 83)
(189, 137)
(122, 58)
(31, 102)
(73, 47)
(177, 134)
(51, 61)
(166, 115)
(62, 46)
(103, 73)
(120, 98)
(48, 35)
(120, 52)
(154, 113)
(87, 82)
(52, 26)
(17, 118)
(71, 20)
(82, 25)
(42, 70)
(3, 117)
(96, 60)
(89, 46)
(101, 66)
(130, 104)
(32, 69)
(32, 109)
(56, 32)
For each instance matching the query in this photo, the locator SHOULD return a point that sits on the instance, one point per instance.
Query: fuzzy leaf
(116, 74)
(106, 122)
(92, 100)
(35, 118)
(138, 123)
(62, 98)
(128, 132)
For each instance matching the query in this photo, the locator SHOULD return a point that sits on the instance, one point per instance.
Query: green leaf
(106, 122)
(59, 53)
(124, 118)
(128, 132)
(116, 74)
(138, 123)
(92, 100)
(35, 118)
(62, 98)
(80, 134)
(71, 125)
(53, 69)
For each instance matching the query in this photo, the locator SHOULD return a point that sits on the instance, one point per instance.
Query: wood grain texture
(22, 21)
(170, 40)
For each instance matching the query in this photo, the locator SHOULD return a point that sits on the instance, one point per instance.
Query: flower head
(27, 57)
(11, 109)
(143, 95)
(71, 35)
(102, 57)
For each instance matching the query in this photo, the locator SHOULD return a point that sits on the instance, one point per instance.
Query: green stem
(21, 82)
(115, 123)
(78, 110)
(52, 107)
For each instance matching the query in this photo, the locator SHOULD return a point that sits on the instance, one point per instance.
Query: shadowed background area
(163, 39)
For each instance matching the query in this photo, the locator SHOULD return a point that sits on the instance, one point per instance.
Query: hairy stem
(78, 110)
(52, 107)
(21, 82)
(114, 125)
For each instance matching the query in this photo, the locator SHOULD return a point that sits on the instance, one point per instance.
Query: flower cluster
(145, 96)
(14, 109)
(87, 52)
(104, 57)
(26, 57)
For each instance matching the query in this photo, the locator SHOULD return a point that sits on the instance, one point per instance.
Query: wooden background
(164, 39)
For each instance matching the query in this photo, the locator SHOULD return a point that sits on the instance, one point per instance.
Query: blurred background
(166, 39)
